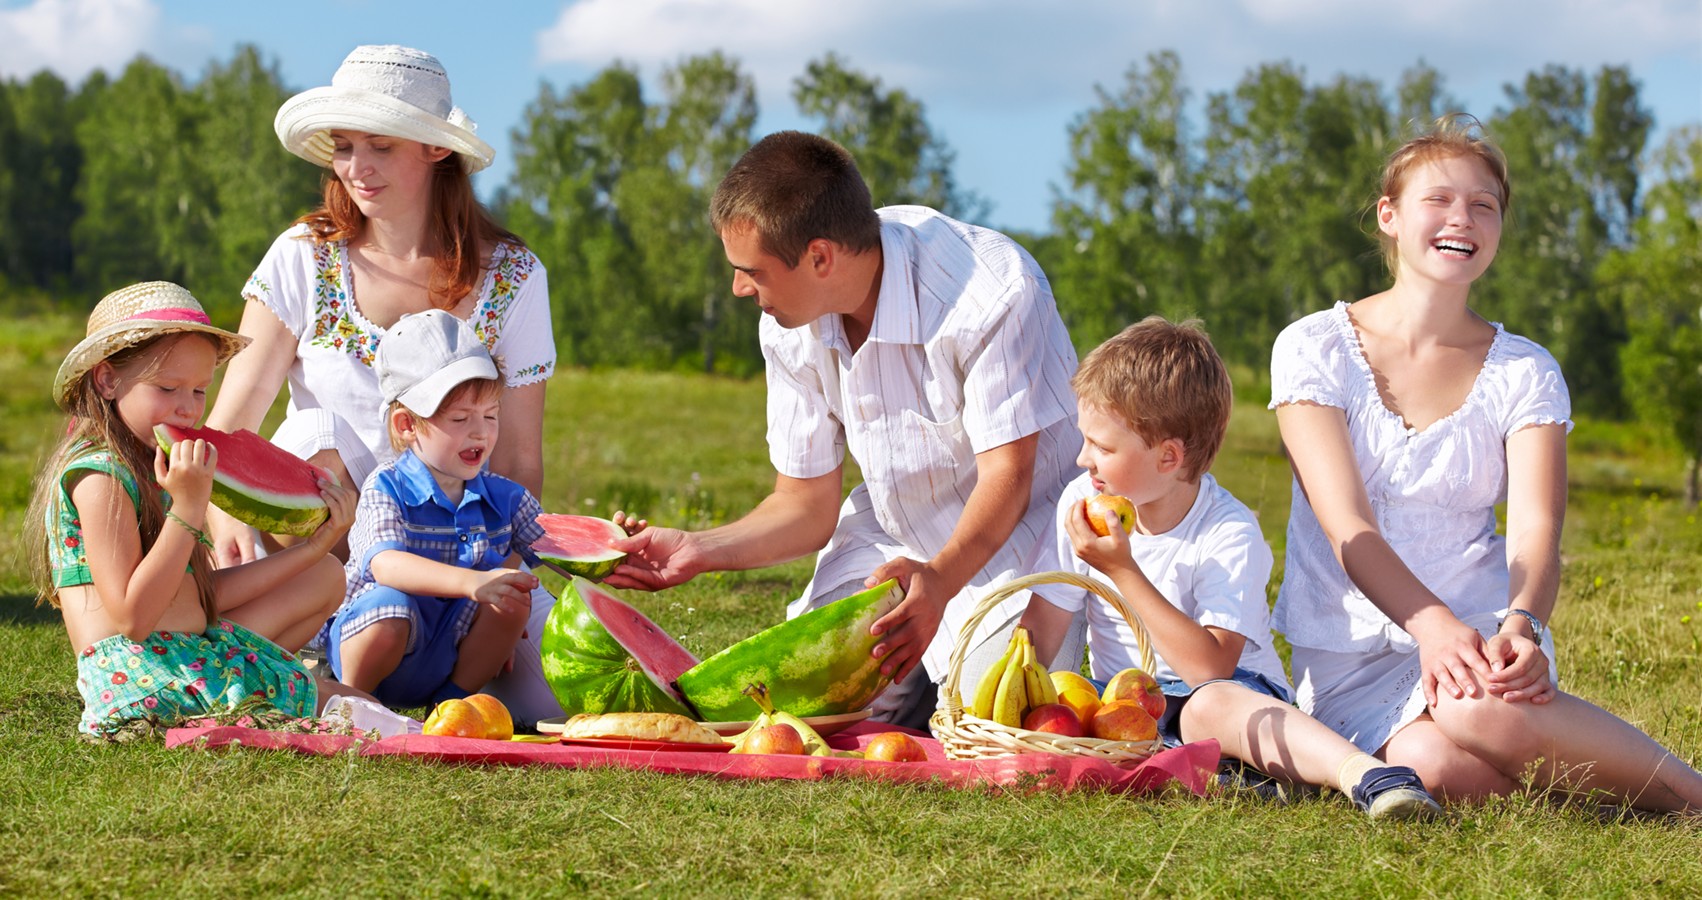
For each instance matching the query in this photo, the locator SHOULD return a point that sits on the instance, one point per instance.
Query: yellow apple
(1101, 509)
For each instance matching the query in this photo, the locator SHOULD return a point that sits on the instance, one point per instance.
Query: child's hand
(503, 588)
(186, 472)
(1106, 553)
(630, 524)
(1518, 669)
(340, 501)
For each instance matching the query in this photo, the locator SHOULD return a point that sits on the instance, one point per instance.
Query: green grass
(139, 820)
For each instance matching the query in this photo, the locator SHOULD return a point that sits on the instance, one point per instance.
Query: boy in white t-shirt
(1153, 404)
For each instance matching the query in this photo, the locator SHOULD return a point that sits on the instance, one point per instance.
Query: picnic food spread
(1018, 692)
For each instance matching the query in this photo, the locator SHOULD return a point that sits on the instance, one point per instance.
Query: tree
(887, 131)
(1659, 279)
(40, 162)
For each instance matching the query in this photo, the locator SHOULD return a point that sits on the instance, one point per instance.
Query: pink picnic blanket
(1193, 765)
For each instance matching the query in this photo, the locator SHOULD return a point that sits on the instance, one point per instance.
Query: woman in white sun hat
(399, 231)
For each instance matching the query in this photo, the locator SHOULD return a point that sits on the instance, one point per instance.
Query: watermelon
(601, 655)
(256, 481)
(580, 544)
(815, 665)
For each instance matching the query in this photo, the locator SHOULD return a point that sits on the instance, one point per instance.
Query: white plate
(823, 725)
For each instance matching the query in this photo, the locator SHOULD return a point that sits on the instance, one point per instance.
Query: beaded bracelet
(200, 536)
(1536, 623)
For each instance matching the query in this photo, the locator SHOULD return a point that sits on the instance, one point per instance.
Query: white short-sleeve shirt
(1213, 566)
(966, 353)
(1433, 491)
(310, 288)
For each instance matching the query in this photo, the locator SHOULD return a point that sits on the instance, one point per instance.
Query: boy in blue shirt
(435, 603)
(1153, 404)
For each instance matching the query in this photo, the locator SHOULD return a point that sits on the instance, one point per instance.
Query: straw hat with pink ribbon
(129, 316)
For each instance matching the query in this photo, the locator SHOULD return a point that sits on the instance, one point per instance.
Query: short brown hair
(794, 187)
(1166, 381)
(479, 388)
(1452, 135)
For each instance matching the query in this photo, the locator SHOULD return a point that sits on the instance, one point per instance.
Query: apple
(1134, 684)
(1103, 508)
(499, 725)
(1123, 720)
(455, 718)
(779, 738)
(895, 746)
(1084, 703)
(1053, 718)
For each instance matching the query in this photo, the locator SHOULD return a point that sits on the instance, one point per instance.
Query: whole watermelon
(815, 665)
(601, 655)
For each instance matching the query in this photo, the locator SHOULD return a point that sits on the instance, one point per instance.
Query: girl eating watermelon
(160, 634)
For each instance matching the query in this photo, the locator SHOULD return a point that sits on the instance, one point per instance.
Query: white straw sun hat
(382, 89)
(131, 315)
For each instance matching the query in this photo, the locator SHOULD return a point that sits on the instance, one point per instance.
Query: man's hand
(656, 558)
(910, 627)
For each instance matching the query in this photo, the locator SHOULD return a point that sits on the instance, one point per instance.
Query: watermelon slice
(580, 544)
(256, 481)
(815, 665)
(601, 655)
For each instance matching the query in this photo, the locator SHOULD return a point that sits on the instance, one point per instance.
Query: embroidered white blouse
(311, 289)
(1433, 491)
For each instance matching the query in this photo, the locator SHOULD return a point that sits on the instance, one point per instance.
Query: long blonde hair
(95, 425)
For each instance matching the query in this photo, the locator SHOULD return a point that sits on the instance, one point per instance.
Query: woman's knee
(1449, 770)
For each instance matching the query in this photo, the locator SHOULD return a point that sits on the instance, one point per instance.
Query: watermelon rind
(589, 671)
(269, 511)
(815, 665)
(594, 566)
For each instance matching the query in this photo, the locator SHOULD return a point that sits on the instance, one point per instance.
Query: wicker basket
(969, 737)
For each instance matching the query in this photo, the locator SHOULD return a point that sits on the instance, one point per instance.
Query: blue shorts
(437, 625)
(1177, 692)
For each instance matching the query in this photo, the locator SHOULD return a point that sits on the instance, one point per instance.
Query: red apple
(1123, 720)
(895, 746)
(499, 725)
(779, 738)
(1053, 718)
(1134, 684)
(1101, 509)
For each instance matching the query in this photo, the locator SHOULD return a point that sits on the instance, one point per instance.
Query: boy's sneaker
(1394, 792)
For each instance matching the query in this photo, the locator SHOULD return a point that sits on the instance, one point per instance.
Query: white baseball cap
(424, 356)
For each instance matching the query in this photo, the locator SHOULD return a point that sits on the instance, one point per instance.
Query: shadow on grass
(21, 609)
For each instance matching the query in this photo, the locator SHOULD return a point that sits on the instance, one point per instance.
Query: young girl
(1418, 631)
(160, 634)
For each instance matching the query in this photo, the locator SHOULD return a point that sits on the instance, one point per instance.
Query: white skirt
(1367, 697)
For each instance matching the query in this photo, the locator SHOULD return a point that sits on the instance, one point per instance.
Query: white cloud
(74, 37)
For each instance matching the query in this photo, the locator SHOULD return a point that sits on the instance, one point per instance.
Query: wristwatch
(1536, 623)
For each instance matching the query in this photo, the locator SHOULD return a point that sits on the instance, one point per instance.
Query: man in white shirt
(930, 348)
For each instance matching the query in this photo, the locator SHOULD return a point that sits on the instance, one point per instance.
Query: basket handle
(960, 648)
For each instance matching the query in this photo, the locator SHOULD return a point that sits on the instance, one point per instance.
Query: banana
(1041, 690)
(1010, 702)
(982, 708)
(814, 743)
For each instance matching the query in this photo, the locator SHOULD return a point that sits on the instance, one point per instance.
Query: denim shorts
(437, 626)
(1177, 693)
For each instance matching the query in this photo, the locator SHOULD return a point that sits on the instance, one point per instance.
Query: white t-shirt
(311, 289)
(966, 353)
(1433, 491)
(1213, 565)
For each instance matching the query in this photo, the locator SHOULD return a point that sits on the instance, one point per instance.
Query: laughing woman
(399, 231)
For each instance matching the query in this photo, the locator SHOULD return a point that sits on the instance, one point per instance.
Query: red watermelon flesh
(580, 544)
(601, 655)
(256, 481)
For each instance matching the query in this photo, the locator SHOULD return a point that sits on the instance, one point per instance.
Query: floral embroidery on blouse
(333, 326)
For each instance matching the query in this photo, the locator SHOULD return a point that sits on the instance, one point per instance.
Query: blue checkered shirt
(403, 508)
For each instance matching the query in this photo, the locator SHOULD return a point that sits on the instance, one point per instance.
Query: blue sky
(1000, 79)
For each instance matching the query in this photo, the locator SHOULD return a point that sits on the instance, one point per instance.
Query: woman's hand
(186, 473)
(233, 541)
(1452, 657)
(1518, 669)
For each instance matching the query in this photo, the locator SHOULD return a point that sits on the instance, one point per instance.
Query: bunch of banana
(1014, 685)
(814, 743)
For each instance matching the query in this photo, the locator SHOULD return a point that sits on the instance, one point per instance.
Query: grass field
(138, 820)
